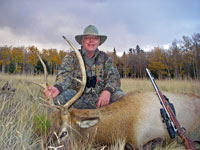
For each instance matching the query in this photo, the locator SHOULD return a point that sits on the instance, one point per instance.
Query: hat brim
(79, 38)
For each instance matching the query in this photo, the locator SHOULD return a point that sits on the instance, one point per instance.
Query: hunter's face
(90, 43)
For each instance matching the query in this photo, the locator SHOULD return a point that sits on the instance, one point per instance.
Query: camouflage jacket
(106, 74)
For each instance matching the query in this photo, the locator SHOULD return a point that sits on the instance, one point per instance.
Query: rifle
(174, 126)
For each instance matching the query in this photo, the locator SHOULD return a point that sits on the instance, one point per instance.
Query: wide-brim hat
(91, 30)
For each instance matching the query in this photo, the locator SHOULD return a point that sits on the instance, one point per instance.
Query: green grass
(22, 115)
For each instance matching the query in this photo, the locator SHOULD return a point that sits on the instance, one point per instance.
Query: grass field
(22, 114)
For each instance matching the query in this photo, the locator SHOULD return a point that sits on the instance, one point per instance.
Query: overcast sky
(148, 23)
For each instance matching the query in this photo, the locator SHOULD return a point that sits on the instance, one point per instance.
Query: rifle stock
(189, 145)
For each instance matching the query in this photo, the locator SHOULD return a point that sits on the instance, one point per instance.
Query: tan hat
(91, 30)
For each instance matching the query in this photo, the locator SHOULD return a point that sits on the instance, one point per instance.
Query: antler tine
(51, 103)
(45, 74)
(83, 82)
(45, 69)
(41, 85)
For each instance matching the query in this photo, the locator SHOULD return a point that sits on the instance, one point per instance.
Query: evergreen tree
(11, 67)
(39, 68)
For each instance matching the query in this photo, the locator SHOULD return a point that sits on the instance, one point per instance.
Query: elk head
(69, 127)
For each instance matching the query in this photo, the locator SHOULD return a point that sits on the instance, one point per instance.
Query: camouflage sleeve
(112, 76)
(64, 76)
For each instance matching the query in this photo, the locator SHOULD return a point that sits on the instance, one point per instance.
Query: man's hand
(104, 98)
(51, 91)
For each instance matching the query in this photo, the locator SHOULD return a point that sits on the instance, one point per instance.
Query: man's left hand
(104, 98)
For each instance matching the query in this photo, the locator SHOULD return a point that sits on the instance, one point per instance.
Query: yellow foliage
(17, 55)
(4, 56)
(156, 62)
(32, 57)
(19, 69)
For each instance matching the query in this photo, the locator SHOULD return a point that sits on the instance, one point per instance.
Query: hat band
(91, 34)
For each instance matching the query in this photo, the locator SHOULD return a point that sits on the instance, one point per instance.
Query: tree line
(180, 61)
(24, 59)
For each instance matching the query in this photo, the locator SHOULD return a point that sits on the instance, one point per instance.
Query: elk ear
(88, 122)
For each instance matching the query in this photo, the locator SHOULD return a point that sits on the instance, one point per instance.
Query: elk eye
(63, 134)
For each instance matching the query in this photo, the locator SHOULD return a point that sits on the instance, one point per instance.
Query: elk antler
(45, 69)
(51, 103)
(83, 82)
(45, 74)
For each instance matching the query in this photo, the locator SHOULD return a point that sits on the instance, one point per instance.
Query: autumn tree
(175, 60)
(196, 50)
(17, 58)
(156, 63)
(32, 57)
(136, 62)
(53, 60)
(45, 54)
(189, 57)
(61, 56)
(4, 57)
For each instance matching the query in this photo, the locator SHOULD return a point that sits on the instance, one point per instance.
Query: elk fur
(135, 117)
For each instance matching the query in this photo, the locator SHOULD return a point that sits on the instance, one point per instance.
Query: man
(103, 79)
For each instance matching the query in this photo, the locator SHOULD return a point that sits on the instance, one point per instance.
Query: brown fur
(136, 117)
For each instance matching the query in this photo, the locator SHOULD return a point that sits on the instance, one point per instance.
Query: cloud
(127, 23)
(10, 38)
(17, 40)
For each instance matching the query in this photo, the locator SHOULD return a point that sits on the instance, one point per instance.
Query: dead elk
(135, 117)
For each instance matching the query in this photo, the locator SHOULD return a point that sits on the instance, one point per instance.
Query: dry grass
(17, 114)
(174, 86)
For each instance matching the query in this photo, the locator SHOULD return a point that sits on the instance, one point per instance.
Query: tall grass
(17, 114)
(174, 86)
